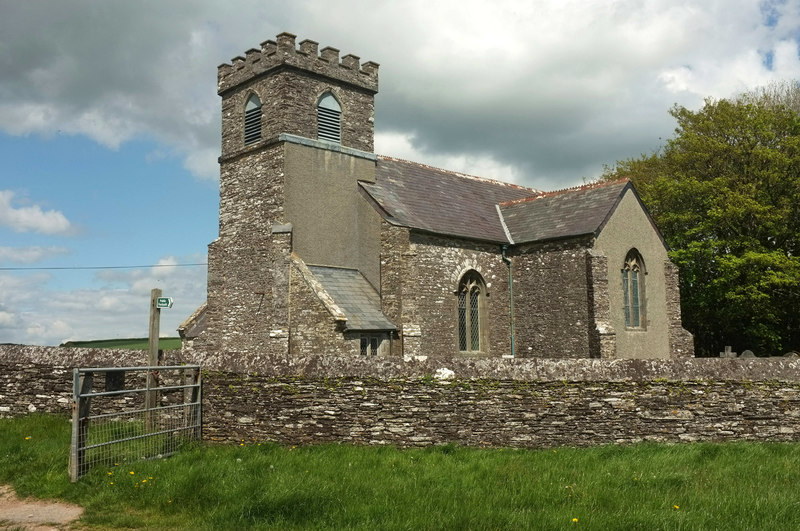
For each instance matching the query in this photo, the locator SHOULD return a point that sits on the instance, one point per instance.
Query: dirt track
(35, 515)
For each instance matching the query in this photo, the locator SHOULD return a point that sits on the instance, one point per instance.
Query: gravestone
(727, 353)
(747, 354)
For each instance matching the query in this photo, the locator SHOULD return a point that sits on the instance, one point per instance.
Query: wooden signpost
(151, 398)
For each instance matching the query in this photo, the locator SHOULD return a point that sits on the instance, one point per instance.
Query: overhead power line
(77, 268)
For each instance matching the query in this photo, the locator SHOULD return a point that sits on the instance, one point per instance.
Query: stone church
(326, 247)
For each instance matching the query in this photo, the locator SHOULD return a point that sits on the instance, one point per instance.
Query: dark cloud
(554, 90)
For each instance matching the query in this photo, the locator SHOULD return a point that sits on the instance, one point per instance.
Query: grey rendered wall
(332, 223)
(629, 228)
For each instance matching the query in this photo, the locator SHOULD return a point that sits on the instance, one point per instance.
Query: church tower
(300, 91)
(297, 137)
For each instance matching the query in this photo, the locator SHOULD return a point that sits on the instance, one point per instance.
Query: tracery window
(329, 118)
(252, 120)
(633, 292)
(471, 310)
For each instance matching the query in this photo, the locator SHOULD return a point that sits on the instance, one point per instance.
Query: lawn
(164, 343)
(259, 485)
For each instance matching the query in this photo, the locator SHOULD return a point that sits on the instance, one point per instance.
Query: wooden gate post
(151, 398)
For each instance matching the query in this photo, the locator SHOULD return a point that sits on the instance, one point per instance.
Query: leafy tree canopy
(725, 192)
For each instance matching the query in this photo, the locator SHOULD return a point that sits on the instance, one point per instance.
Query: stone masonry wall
(552, 296)
(681, 343)
(251, 192)
(501, 402)
(313, 328)
(247, 292)
(248, 285)
(289, 105)
(602, 339)
(395, 249)
(433, 271)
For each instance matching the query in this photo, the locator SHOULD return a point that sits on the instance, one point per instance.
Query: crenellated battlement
(284, 51)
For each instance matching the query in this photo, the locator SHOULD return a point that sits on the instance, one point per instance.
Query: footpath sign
(157, 302)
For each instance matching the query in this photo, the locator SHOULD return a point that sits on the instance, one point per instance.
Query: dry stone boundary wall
(500, 402)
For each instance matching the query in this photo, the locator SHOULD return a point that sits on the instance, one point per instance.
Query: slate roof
(561, 214)
(194, 324)
(356, 297)
(440, 201)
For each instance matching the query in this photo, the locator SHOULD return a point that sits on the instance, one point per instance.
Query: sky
(110, 121)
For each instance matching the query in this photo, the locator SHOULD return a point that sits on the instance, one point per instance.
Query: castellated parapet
(283, 52)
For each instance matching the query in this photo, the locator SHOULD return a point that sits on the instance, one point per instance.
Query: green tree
(725, 192)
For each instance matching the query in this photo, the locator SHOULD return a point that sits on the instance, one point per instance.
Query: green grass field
(265, 486)
(164, 343)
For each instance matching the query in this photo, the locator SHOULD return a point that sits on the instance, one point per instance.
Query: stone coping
(531, 369)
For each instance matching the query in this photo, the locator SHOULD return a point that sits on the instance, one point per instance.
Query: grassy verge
(265, 486)
(164, 343)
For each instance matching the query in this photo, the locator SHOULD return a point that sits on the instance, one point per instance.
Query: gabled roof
(194, 324)
(444, 202)
(355, 297)
(562, 214)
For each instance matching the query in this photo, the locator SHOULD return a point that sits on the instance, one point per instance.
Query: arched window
(252, 120)
(329, 118)
(471, 310)
(633, 290)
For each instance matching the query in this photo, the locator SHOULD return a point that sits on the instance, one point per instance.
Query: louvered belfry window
(329, 119)
(471, 291)
(252, 120)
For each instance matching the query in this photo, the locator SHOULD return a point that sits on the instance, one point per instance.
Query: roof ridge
(460, 174)
(579, 188)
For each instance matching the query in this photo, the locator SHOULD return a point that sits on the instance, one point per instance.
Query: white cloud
(203, 162)
(29, 255)
(40, 330)
(31, 218)
(7, 319)
(116, 306)
(505, 81)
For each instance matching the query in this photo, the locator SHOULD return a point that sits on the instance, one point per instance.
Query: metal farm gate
(123, 414)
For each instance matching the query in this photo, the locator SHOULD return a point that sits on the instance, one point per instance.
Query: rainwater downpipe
(503, 249)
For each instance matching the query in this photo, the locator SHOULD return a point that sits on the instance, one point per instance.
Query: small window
(633, 290)
(373, 345)
(252, 120)
(329, 119)
(471, 294)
